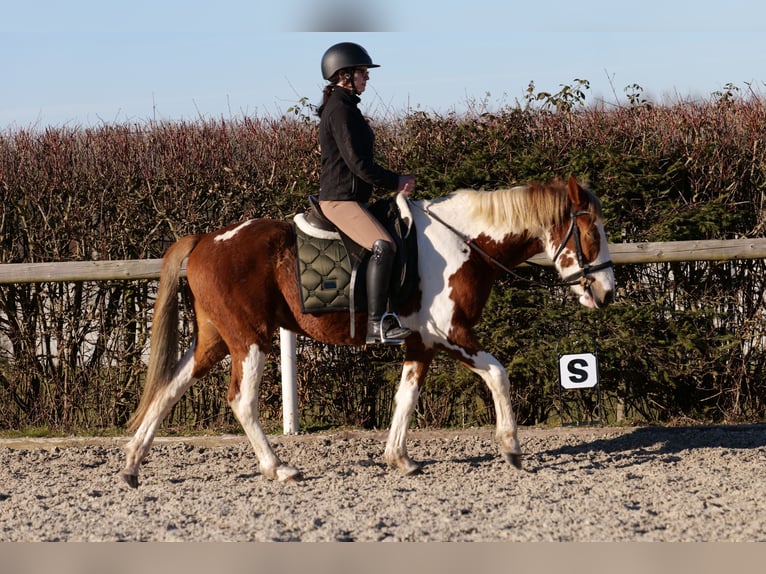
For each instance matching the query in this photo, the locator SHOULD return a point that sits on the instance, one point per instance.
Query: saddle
(331, 266)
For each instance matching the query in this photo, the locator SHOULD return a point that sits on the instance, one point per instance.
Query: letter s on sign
(578, 371)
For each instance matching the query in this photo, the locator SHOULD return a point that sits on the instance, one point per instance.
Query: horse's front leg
(413, 375)
(243, 398)
(496, 378)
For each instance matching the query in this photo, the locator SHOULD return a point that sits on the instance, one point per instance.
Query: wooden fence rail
(622, 253)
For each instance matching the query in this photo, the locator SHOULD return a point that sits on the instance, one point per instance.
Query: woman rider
(349, 172)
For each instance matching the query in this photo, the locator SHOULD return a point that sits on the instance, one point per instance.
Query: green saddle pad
(324, 272)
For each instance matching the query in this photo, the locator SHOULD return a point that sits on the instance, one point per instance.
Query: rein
(579, 277)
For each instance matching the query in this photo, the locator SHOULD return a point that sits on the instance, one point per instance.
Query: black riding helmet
(345, 55)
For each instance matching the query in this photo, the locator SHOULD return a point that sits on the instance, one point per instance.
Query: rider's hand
(406, 184)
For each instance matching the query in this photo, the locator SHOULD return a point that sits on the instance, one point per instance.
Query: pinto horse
(243, 281)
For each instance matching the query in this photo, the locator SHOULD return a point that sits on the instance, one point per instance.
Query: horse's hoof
(411, 469)
(288, 474)
(130, 479)
(513, 459)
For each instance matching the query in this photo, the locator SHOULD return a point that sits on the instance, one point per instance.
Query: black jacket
(349, 170)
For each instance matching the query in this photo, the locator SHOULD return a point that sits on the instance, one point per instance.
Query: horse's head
(579, 249)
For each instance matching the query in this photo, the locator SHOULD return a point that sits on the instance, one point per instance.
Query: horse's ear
(574, 190)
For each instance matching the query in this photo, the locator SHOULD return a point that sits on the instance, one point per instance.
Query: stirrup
(399, 333)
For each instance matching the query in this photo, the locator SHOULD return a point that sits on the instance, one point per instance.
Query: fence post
(289, 382)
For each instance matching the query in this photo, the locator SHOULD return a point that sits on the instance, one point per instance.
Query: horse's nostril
(607, 298)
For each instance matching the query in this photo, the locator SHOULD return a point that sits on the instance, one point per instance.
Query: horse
(244, 285)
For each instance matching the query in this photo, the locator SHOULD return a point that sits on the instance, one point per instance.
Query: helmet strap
(350, 76)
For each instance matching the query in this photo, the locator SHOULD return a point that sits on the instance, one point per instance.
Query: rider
(349, 172)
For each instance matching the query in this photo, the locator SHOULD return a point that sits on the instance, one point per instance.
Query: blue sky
(88, 62)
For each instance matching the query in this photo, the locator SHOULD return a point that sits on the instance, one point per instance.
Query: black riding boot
(382, 327)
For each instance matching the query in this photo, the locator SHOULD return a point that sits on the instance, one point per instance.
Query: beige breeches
(355, 221)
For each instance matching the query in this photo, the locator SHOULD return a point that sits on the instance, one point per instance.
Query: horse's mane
(525, 205)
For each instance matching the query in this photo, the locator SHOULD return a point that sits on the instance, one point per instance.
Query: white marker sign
(578, 371)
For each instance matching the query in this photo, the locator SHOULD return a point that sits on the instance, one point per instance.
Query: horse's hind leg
(243, 398)
(413, 375)
(139, 445)
(207, 350)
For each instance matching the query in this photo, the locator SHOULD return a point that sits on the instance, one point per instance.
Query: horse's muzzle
(607, 298)
(594, 293)
(601, 295)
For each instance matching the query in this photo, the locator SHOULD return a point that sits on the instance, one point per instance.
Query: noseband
(581, 277)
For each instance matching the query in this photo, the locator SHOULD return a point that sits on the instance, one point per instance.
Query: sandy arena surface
(700, 484)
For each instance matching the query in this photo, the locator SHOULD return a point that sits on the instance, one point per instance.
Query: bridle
(581, 277)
